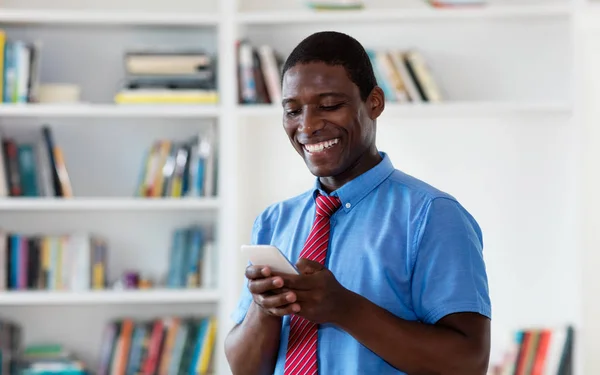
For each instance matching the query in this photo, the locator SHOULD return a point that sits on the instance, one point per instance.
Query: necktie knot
(327, 205)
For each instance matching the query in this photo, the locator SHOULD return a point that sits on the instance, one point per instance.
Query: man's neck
(364, 163)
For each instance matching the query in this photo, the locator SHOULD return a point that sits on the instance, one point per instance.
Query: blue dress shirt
(397, 241)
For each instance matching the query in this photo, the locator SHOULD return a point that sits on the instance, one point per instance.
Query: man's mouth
(321, 146)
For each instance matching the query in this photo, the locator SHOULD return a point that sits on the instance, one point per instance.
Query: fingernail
(290, 297)
(278, 282)
(296, 308)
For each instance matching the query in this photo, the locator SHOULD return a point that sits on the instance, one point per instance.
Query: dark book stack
(33, 169)
(11, 341)
(169, 77)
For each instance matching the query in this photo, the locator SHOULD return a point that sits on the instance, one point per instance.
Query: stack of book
(30, 169)
(178, 169)
(538, 351)
(259, 74)
(20, 70)
(190, 259)
(168, 77)
(70, 262)
(405, 76)
(11, 341)
(169, 345)
(46, 359)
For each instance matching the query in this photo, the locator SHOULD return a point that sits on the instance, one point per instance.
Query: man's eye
(331, 107)
(292, 113)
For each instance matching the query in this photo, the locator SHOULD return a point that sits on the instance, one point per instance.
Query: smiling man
(392, 279)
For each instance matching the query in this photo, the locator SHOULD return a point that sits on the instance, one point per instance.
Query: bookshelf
(499, 96)
(417, 12)
(130, 297)
(110, 204)
(107, 111)
(82, 17)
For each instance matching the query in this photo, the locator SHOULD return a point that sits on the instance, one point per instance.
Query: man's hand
(320, 296)
(268, 293)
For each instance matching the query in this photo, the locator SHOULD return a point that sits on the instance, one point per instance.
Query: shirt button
(348, 205)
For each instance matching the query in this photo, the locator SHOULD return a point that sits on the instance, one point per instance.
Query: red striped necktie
(301, 357)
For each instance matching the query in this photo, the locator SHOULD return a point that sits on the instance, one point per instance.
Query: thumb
(306, 266)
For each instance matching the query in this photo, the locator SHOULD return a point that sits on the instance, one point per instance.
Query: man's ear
(376, 102)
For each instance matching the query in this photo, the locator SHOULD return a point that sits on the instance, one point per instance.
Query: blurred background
(140, 139)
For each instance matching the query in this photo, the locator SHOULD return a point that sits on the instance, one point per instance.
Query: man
(392, 275)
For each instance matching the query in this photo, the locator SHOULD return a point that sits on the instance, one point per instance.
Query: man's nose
(312, 120)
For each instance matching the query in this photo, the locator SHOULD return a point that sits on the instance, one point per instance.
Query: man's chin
(322, 170)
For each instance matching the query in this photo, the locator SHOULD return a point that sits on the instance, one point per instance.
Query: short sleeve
(449, 274)
(245, 299)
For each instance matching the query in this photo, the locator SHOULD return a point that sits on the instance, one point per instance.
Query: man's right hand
(268, 293)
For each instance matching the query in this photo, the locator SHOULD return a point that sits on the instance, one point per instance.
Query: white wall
(589, 38)
(514, 175)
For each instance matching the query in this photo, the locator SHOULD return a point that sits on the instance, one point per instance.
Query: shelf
(107, 204)
(406, 14)
(160, 296)
(62, 17)
(107, 110)
(457, 109)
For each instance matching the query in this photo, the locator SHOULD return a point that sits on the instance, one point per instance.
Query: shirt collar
(355, 190)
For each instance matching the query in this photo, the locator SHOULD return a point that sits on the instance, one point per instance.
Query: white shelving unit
(504, 143)
(107, 111)
(109, 204)
(417, 12)
(43, 298)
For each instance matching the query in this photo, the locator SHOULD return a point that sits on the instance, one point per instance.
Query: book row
(164, 76)
(72, 262)
(180, 168)
(79, 262)
(539, 351)
(190, 259)
(160, 346)
(171, 168)
(403, 75)
(20, 67)
(171, 345)
(33, 169)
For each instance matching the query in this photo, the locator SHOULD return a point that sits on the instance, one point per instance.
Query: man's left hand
(321, 297)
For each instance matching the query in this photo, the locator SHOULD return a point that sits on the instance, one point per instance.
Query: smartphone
(268, 255)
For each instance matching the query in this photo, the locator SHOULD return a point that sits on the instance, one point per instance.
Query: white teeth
(318, 147)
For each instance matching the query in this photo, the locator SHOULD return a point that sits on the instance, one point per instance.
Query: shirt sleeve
(245, 298)
(449, 274)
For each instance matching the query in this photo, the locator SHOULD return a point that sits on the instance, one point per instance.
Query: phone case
(268, 255)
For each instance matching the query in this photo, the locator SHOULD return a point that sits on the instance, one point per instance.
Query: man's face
(325, 119)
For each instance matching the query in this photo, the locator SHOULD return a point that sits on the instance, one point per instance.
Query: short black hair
(335, 48)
